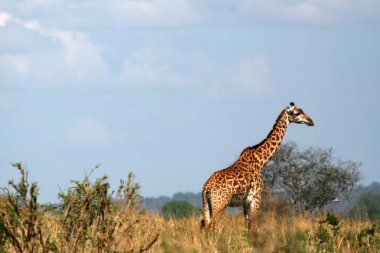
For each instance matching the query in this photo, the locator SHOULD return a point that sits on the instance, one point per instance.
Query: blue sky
(173, 90)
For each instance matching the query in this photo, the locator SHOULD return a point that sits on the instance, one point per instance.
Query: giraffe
(241, 184)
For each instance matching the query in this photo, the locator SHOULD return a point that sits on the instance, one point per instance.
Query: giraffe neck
(263, 151)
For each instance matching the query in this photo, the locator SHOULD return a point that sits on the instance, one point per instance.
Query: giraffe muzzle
(309, 122)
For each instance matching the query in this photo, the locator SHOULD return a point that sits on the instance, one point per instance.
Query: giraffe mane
(260, 143)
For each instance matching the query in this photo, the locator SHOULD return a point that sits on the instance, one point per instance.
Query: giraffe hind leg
(217, 213)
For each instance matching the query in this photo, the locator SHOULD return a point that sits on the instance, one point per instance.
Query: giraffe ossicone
(241, 184)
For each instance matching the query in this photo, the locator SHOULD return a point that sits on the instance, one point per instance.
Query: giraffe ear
(290, 109)
(291, 106)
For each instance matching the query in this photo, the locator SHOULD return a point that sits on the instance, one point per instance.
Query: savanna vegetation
(90, 217)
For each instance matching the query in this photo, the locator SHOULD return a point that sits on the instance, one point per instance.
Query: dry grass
(91, 217)
(184, 235)
(273, 234)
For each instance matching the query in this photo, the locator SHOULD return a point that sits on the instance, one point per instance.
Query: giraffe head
(296, 115)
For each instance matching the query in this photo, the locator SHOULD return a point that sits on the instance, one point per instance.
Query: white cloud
(157, 12)
(169, 13)
(16, 63)
(42, 3)
(185, 12)
(89, 134)
(311, 11)
(124, 13)
(81, 55)
(78, 59)
(4, 17)
(154, 68)
(252, 77)
(306, 12)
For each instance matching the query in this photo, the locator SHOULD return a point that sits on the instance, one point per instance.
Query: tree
(311, 178)
(178, 209)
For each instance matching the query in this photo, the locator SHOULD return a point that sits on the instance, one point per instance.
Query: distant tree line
(367, 203)
(179, 209)
(155, 205)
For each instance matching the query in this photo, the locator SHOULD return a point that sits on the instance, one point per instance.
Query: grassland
(91, 218)
(273, 234)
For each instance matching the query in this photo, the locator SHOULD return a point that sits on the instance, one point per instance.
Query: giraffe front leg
(250, 210)
(246, 208)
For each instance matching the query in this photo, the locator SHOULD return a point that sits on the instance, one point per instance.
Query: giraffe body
(241, 184)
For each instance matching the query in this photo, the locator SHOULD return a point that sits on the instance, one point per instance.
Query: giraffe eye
(297, 113)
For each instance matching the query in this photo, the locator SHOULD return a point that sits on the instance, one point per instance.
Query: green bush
(178, 209)
(327, 232)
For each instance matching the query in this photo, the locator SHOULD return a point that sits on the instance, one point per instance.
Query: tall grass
(273, 234)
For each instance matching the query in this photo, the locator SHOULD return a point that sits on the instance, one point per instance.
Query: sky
(173, 90)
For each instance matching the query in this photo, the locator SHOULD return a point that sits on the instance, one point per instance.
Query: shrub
(20, 220)
(368, 231)
(326, 227)
(178, 209)
(91, 217)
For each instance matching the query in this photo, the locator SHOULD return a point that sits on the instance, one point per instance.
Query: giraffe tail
(207, 208)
